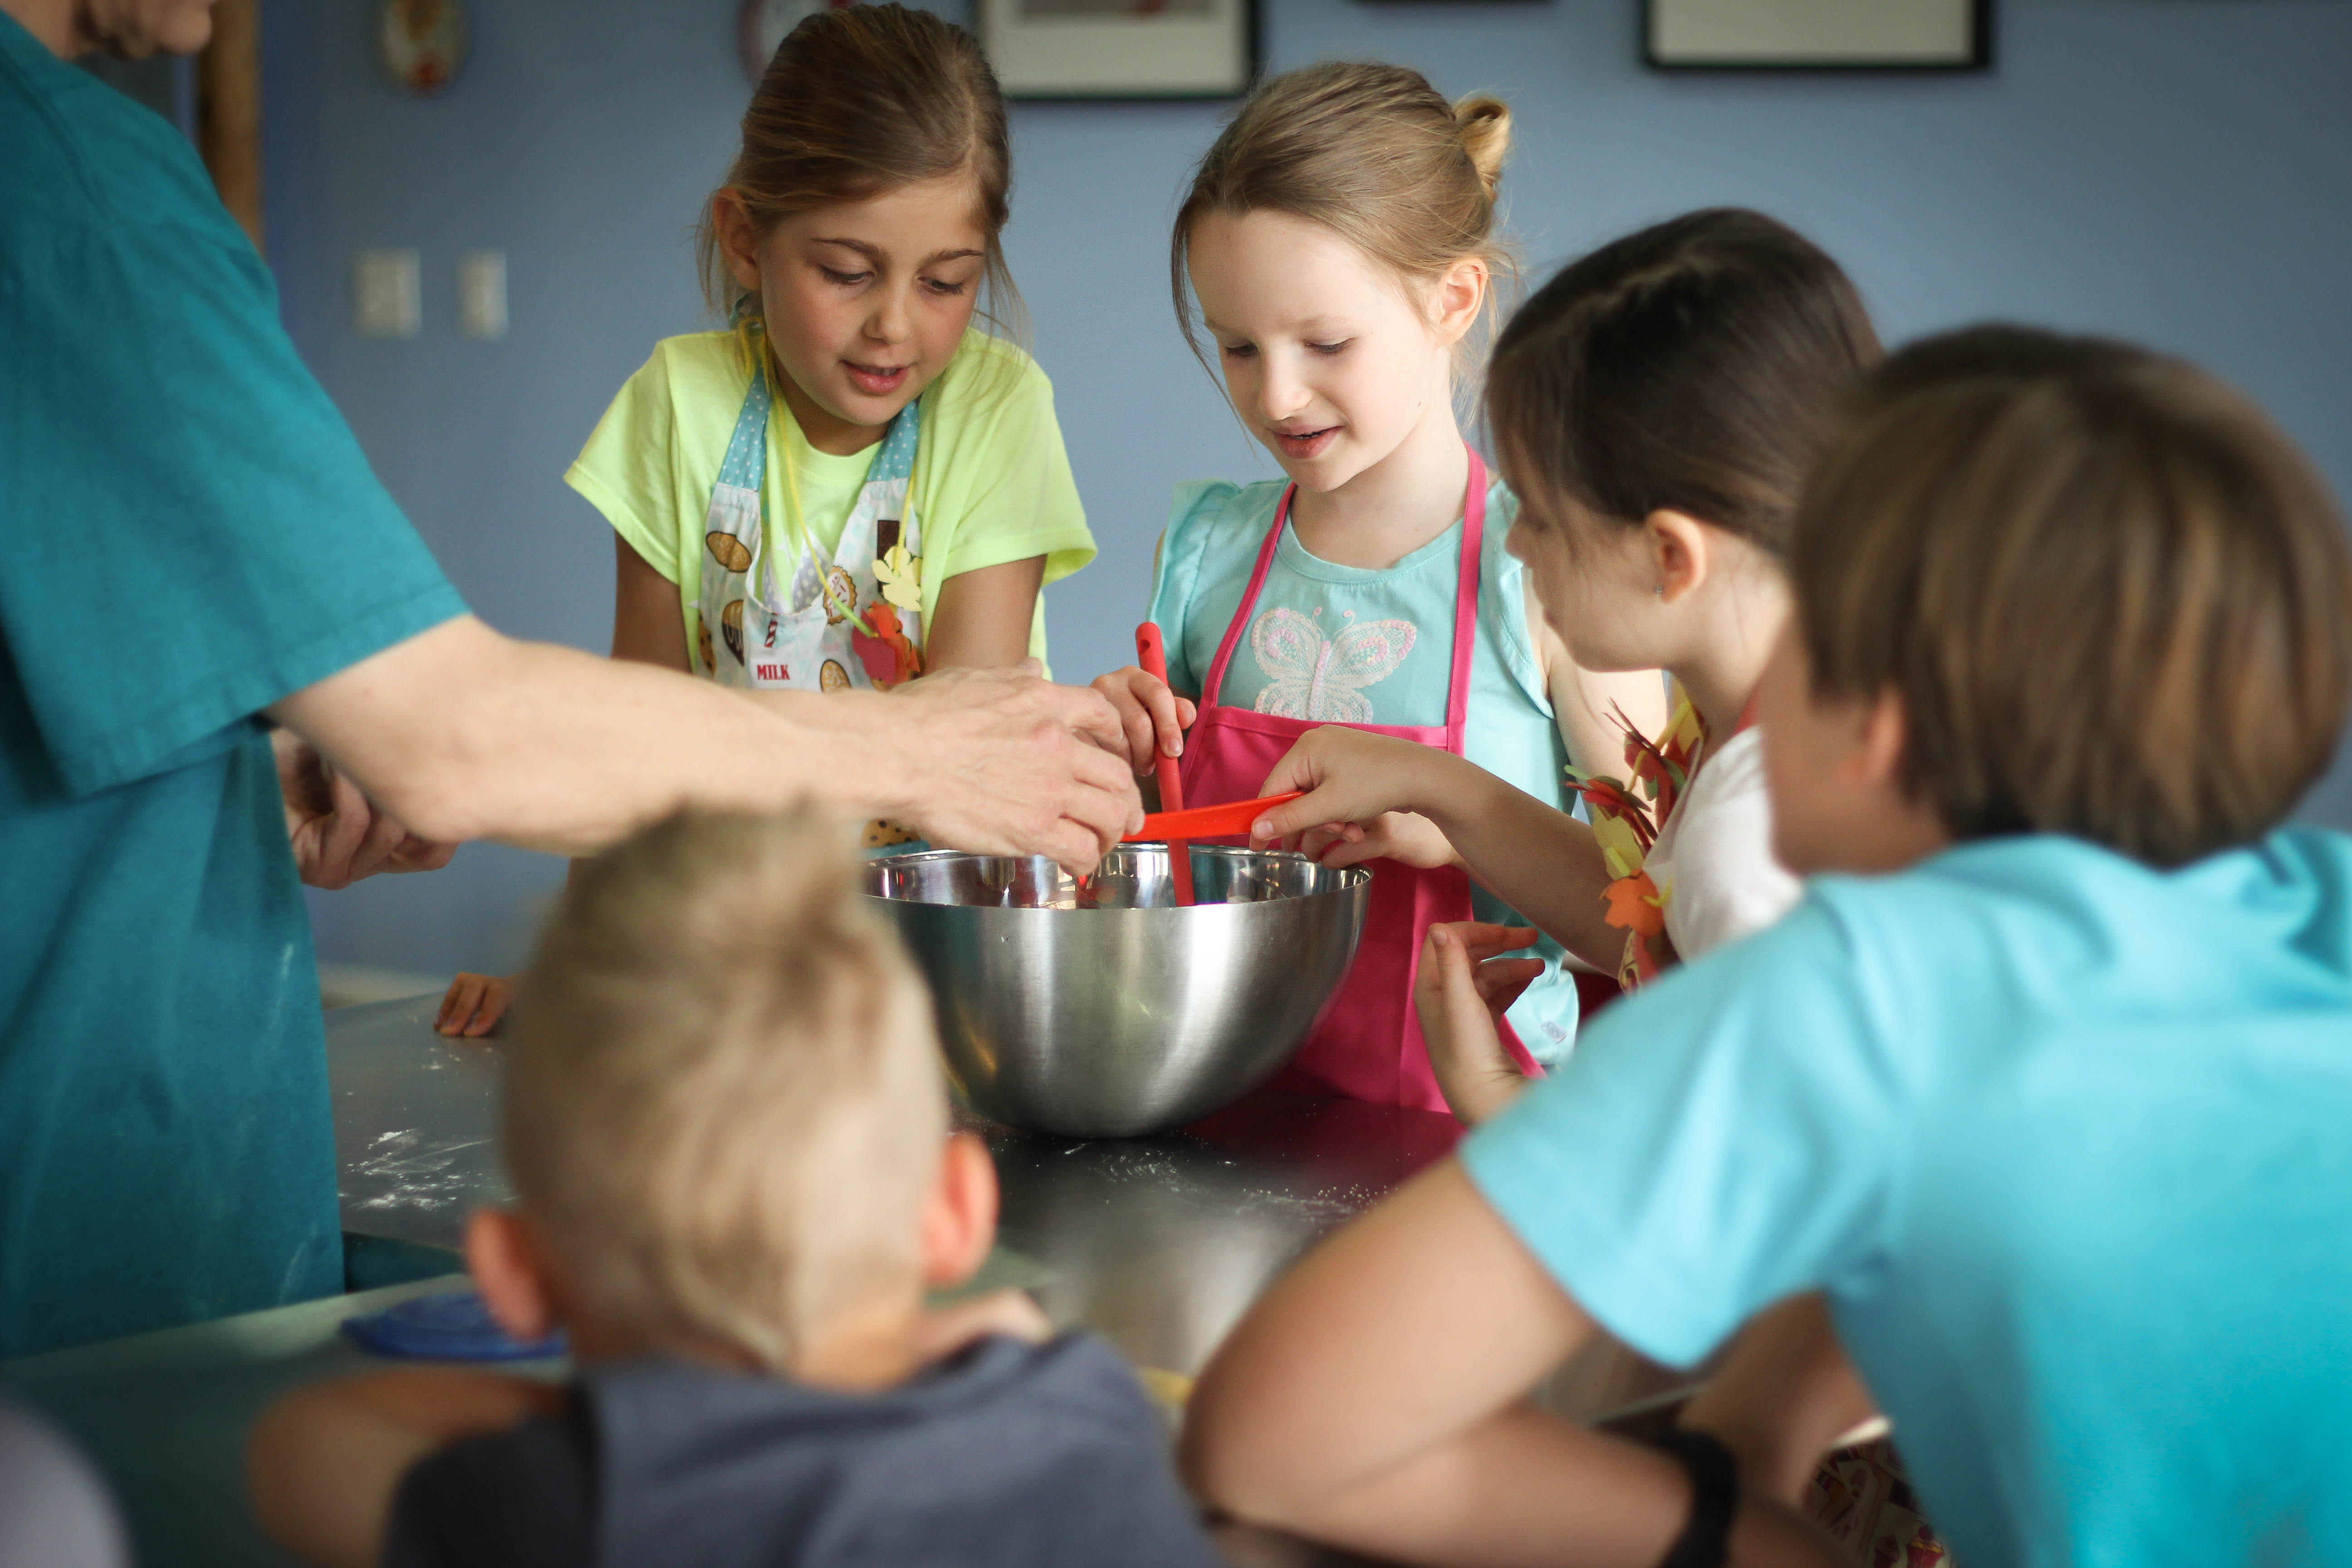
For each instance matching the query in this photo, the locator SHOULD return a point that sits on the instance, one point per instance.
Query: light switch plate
(482, 294)
(386, 294)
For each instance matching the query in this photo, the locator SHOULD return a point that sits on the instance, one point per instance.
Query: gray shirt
(1008, 1454)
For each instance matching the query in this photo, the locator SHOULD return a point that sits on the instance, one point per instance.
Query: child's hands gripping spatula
(1152, 654)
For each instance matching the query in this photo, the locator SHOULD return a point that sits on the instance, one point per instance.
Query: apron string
(1216, 683)
(1466, 605)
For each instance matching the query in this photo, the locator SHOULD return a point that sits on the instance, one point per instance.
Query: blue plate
(455, 1326)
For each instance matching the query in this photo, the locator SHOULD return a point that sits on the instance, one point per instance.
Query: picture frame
(1947, 36)
(1098, 49)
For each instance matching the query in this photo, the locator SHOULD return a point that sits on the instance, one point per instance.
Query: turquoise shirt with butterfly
(1362, 645)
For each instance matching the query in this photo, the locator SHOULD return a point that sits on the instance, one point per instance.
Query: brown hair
(2114, 600)
(723, 1100)
(1696, 366)
(859, 101)
(1371, 152)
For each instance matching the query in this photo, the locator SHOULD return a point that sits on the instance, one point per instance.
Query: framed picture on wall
(1120, 49)
(1818, 35)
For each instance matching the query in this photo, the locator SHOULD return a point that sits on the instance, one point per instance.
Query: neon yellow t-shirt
(991, 481)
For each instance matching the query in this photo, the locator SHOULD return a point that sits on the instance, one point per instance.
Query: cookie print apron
(1368, 1045)
(850, 623)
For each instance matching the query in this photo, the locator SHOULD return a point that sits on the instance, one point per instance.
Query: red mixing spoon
(1151, 653)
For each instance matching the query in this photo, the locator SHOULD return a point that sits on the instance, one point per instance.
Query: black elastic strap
(1705, 1540)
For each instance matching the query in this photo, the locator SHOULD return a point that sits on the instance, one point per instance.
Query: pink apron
(1368, 1044)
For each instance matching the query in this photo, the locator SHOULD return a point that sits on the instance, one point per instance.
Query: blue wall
(2176, 171)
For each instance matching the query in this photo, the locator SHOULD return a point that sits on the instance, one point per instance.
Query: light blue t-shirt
(1366, 646)
(2066, 1141)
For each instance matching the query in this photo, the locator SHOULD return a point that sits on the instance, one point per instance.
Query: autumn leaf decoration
(900, 573)
(879, 639)
(889, 654)
(1626, 823)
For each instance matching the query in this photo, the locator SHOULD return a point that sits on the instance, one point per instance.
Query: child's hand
(1349, 777)
(942, 1331)
(474, 1005)
(1154, 717)
(1461, 992)
(1403, 836)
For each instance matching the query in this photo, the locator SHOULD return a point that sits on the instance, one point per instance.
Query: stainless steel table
(1159, 1243)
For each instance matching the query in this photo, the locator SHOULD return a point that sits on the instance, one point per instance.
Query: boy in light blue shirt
(2045, 1091)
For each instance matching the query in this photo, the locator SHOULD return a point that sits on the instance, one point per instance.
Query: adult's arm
(647, 628)
(1376, 1399)
(463, 733)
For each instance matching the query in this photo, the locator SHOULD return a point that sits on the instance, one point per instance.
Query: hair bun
(1485, 125)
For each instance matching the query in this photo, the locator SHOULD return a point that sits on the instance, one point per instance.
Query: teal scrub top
(189, 533)
(1205, 561)
(2065, 1141)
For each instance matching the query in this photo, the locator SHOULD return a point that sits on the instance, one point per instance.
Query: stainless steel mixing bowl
(1101, 1010)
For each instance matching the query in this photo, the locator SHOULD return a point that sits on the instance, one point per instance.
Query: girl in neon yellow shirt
(851, 485)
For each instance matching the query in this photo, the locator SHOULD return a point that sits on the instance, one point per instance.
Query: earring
(1659, 591)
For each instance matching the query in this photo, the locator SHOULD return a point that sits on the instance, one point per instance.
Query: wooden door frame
(228, 111)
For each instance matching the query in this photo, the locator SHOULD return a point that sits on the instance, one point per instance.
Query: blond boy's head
(723, 1110)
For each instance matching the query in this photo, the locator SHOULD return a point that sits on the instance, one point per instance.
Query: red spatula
(1209, 821)
(1152, 654)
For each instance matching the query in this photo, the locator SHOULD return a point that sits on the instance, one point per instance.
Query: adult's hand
(337, 835)
(1001, 761)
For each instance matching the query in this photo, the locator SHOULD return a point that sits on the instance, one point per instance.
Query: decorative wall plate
(421, 44)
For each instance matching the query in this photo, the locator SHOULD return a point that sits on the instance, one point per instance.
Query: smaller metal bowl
(1100, 1010)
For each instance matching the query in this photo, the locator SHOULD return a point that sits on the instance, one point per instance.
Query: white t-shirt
(1713, 863)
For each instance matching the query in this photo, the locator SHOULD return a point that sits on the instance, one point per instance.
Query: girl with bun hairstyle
(860, 479)
(1339, 242)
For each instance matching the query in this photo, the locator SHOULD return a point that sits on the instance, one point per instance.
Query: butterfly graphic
(1310, 677)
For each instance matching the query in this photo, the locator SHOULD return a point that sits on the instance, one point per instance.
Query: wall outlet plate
(482, 294)
(387, 294)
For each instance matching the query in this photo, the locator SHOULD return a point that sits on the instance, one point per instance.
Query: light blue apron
(849, 623)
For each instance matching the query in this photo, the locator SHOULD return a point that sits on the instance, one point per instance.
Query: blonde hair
(857, 103)
(723, 1104)
(1371, 152)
